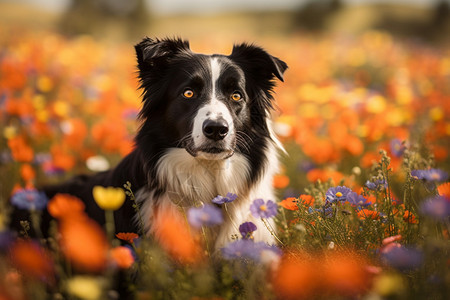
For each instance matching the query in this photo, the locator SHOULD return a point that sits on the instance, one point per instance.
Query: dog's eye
(188, 93)
(236, 96)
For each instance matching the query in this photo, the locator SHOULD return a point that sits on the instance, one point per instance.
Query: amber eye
(236, 96)
(188, 93)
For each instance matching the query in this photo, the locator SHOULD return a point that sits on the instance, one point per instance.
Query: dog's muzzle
(215, 130)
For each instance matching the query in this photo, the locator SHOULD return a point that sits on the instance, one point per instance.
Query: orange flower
(409, 217)
(323, 175)
(296, 277)
(280, 181)
(122, 256)
(307, 200)
(63, 205)
(61, 158)
(444, 189)
(27, 172)
(290, 203)
(32, 260)
(345, 274)
(175, 237)
(20, 150)
(84, 243)
(368, 214)
(127, 236)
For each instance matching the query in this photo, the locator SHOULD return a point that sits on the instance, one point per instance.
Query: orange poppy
(296, 277)
(280, 181)
(307, 200)
(444, 189)
(122, 256)
(27, 172)
(20, 150)
(368, 214)
(61, 158)
(64, 205)
(32, 260)
(290, 203)
(127, 236)
(345, 274)
(175, 237)
(409, 217)
(84, 243)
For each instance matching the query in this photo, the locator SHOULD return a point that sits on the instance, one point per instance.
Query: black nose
(215, 129)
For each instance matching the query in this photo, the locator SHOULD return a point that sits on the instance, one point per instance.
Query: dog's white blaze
(212, 110)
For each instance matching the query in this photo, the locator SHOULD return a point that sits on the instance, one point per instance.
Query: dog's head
(208, 104)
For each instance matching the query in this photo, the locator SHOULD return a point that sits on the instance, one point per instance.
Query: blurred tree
(116, 18)
(315, 14)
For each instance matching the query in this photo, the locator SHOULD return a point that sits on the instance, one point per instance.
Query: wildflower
(297, 277)
(401, 257)
(338, 193)
(290, 203)
(29, 198)
(32, 260)
(84, 243)
(390, 286)
(207, 215)
(397, 147)
(444, 189)
(246, 229)
(27, 172)
(127, 236)
(433, 175)
(84, 287)
(437, 207)
(368, 214)
(409, 217)
(357, 200)
(122, 256)
(376, 185)
(97, 163)
(280, 181)
(20, 150)
(230, 197)
(65, 205)
(306, 200)
(261, 209)
(176, 238)
(345, 274)
(108, 198)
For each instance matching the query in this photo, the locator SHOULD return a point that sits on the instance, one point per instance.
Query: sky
(212, 6)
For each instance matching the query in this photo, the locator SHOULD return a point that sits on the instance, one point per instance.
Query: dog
(205, 131)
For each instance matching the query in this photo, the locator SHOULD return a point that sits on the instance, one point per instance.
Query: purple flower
(261, 209)
(207, 215)
(30, 199)
(437, 207)
(247, 249)
(246, 229)
(338, 193)
(397, 147)
(376, 185)
(430, 175)
(357, 200)
(230, 197)
(401, 257)
(6, 239)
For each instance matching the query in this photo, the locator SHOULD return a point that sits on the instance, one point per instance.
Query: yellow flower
(84, 287)
(108, 198)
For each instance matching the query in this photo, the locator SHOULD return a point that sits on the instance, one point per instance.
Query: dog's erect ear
(258, 61)
(150, 52)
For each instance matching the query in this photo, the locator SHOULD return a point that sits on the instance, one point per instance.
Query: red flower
(127, 236)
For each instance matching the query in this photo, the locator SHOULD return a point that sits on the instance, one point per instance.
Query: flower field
(364, 194)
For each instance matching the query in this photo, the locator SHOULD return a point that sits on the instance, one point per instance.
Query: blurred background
(241, 19)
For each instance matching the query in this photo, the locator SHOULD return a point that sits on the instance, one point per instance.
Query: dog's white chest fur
(194, 182)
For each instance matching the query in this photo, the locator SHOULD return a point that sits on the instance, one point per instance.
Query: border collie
(206, 131)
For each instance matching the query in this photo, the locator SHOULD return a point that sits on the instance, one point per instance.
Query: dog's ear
(151, 52)
(257, 61)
